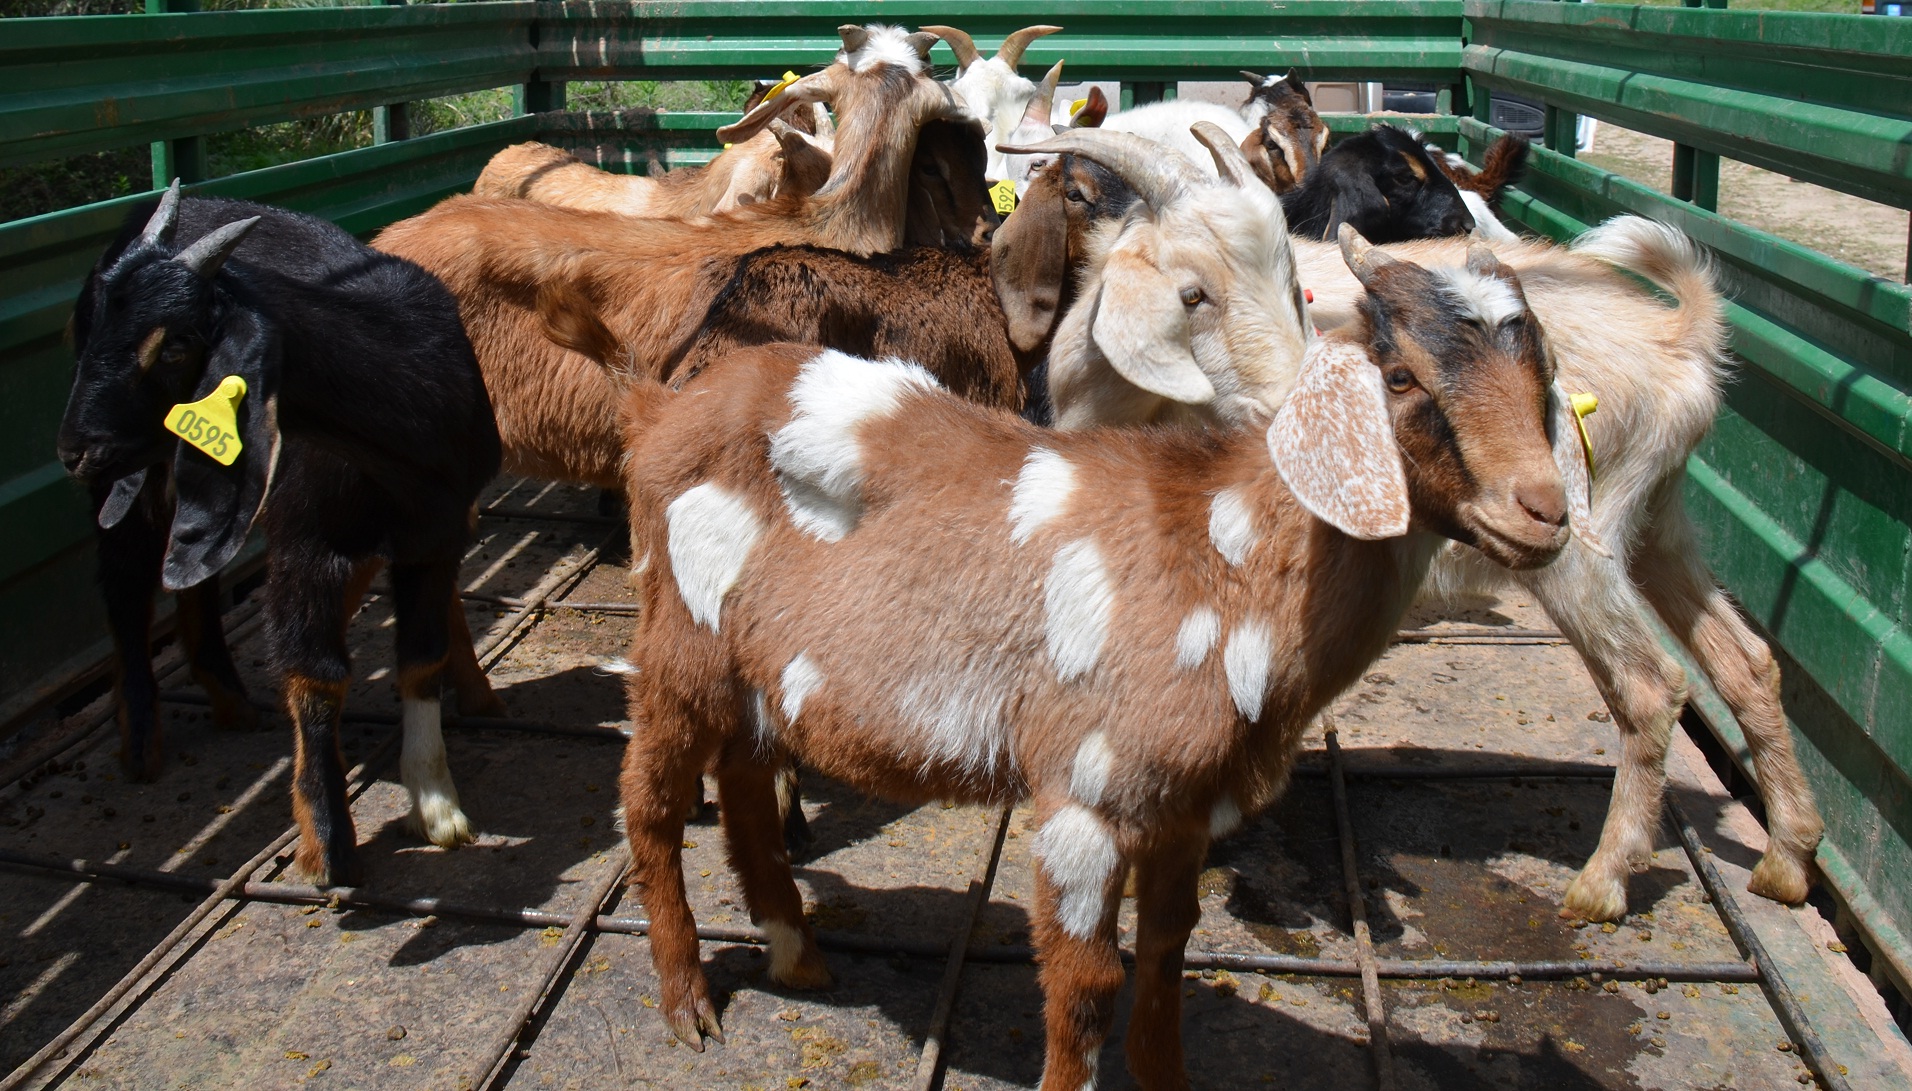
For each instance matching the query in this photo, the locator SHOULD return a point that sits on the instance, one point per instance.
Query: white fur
(961, 716)
(761, 729)
(1168, 123)
(1246, 661)
(1042, 491)
(1089, 776)
(709, 532)
(786, 949)
(997, 94)
(1197, 636)
(1489, 299)
(1489, 224)
(1078, 853)
(435, 815)
(1224, 818)
(886, 45)
(818, 462)
(800, 678)
(1231, 525)
(1079, 601)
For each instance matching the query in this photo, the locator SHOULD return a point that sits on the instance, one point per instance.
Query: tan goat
(928, 599)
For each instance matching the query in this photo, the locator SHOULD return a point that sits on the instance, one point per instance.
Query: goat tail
(1504, 164)
(1677, 266)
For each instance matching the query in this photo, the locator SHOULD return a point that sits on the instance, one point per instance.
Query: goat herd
(1096, 504)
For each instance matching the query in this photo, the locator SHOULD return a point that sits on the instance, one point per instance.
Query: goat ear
(1095, 110)
(1141, 325)
(217, 504)
(1333, 444)
(1293, 79)
(1359, 205)
(815, 87)
(1030, 256)
(1254, 148)
(1571, 459)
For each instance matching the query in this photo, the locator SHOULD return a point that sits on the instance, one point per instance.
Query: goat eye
(1075, 195)
(173, 352)
(1191, 296)
(1401, 380)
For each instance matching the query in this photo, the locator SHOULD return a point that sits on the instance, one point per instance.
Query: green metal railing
(1804, 490)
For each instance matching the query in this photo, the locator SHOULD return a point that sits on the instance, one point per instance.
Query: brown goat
(928, 599)
(653, 280)
(780, 161)
(1289, 136)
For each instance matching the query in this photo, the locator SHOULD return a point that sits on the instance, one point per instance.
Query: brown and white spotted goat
(934, 600)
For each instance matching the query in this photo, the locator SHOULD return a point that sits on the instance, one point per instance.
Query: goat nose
(1544, 501)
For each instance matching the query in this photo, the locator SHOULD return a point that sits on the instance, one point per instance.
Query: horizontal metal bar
(469, 723)
(505, 511)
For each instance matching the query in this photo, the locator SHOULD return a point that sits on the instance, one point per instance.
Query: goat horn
(1363, 259)
(1157, 173)
(922, 42)
(159, 229)
(1043, 105)
(1251, 77)
(959, 43)
(1480, 258)
(1230, 163)
(1014, 45)
(211, 251)
(854, 37)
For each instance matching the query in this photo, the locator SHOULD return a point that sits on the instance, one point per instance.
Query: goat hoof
(142, 768)
(440, 822)
(1781, 878)
(1594, 899)
(691, 1025)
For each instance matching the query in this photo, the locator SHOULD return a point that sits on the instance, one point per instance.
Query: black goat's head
(1385, 185)
(160, 330)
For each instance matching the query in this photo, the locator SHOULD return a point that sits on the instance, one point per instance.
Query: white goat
(995, 92)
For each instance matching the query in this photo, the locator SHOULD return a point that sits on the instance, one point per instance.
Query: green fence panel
(1825, 98)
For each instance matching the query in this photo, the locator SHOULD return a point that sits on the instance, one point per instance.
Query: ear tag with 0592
(212, 423)
(1003, 193)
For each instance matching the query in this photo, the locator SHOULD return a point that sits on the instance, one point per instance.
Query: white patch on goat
(1489, 224)
(1042, 490)
(421, 765)
(818, 462)
(1091, 1060)
(886, 45)
(800, 679)
(1489, 299)
(709, 533)
(1231, 525)
(757, 708)
(1078, 854)
(786, 949)
(1246, 661)
(961, 716)
(1079, 600)
(1198, 634)
(1224, 818)
(1089, 776)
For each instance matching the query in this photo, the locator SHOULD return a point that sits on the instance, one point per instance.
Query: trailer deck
(1392, 922)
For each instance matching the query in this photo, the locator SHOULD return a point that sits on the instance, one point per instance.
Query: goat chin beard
(1509, 550)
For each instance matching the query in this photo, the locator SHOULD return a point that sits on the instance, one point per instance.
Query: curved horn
(1156, 172)
(159, 229)
(854, 37)
(1014, 45)
(211, 251)
(1230, 163)
(922, 42)
(1251, 77)
(960, 43)
(1363, 259)
(1043, 105)
(1480, 258)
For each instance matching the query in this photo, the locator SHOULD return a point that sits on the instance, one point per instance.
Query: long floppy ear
(1333, 444)
(1571, 458)
(1359, 204)
(1141, 325)
(217, 504)
(815, 87)
(1270, 168)
(1030, 257)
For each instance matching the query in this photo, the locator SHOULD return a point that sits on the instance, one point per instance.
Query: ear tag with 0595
(212, 423)
(1003, 193)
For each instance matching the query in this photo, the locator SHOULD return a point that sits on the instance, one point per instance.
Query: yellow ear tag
(1076, 106)
(1003, 194)
(788, 79)
(1583, 404)
(212, 423)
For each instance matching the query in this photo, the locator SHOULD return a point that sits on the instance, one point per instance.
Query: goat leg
(1603, 616)
(423, 598)
(468, 679)
(204, 641)
(747, 798)
(1075, 944)
(1167, 909)
(328, 843)
(130, 554)
(1740, 665)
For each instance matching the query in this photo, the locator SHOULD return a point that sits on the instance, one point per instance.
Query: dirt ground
(1870, 236)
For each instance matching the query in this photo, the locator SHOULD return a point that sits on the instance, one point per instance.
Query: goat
(1170, 124)
(1656, 372)
(1385, 184)
(1502, 167)
(992, 87)
(360, 407)
(782, 160)
(654, 279)
(929, 599)
(1289, 137)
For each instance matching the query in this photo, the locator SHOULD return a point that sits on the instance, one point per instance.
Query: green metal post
(1696, 177)
(393, 121)
(1143, 92)
(184, 157)
(540, 96)
(1560, 131)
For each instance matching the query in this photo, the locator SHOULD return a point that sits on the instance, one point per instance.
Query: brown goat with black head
(932, 600)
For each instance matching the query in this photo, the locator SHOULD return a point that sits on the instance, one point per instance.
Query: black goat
(362, 438)
(1385, 185)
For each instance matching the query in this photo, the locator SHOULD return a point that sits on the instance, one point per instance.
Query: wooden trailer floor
(1473, 757)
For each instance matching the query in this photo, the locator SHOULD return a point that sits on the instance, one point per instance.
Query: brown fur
(929, 589)
(1502, 166)
(1289, 138)
(757, 169)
